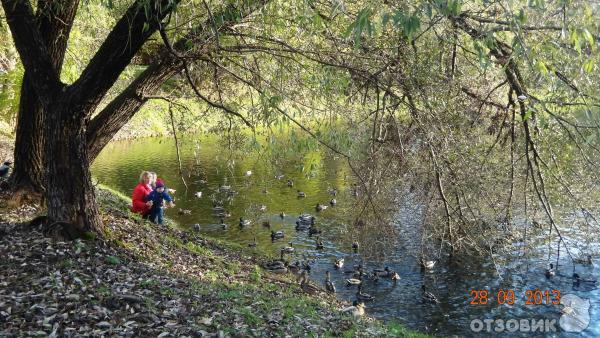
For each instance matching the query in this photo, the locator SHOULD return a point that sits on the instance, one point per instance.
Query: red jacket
(138, 199)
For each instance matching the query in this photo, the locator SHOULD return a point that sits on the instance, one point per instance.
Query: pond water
(208, 162)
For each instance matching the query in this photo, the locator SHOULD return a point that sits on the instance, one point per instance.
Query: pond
(209, 162)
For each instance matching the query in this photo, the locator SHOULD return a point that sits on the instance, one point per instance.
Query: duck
(363, 296)
(222, 214)
(333, 192)
(353, 281)
(301, 194)
(279, 176)
(265, 191)
(217, 208)
(428, 296)
(262, 208)
(278, 269)
(197, 227)
(288, 249)
(306, 218)
(329, 286)
(184, 212)
(248, 173)
(306, 285)
(253, 243)
(266, 224)
(295, 268)
(385, 272)
(320, 207)
(282, 214)
(577, 280)
(339, 263)
(276, 263)
(550, 271)
(395, 277)
(319, 244)
(357, 309)
(244, 222)
(198, 194)
(4, 168)
(584, 261)
(290, 183)
(277, 234)
(313, 230)
(301, 226)
(425, 264)
(333, 202)
(355, 247)
(224, 188)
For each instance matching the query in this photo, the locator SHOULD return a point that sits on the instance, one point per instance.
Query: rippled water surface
(207, 162)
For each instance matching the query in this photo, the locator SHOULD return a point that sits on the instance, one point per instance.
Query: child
(157, 196)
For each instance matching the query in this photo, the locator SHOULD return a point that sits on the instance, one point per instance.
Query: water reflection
(209, 162)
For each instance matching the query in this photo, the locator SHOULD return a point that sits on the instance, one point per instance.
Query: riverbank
(150, 280)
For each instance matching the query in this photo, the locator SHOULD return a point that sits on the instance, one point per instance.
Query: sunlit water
(207, 162)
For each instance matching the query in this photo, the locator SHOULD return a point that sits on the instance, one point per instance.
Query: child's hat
(159, 184)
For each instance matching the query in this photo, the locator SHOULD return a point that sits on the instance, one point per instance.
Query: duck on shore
(244, 222)
(329, 286)
(357, 309)
(277, 234)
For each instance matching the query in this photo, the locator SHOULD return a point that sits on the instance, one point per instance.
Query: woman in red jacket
(138, 199)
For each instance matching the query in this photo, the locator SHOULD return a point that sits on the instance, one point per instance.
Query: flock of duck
(356, 276)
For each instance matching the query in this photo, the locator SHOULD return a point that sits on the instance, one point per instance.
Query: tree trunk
(70, 193)
(27, 176)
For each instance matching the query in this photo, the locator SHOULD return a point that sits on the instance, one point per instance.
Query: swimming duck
(223, 224)
(357, 309)
(248, 173)
(428, 296)
(184, 212)
(290, 183)
(262, 208)
(253, 243)
(4, 168)
(577, 280)
(395, 277)
(198, 194)
(333, 192)
(306, 218)
(224, 188)
(584, 261)
(301, 226)
(320, 207)
(279, 176)
(355, 247)
(333, 202)
(319, 244)
(363, 296)
(328, 283)
(267, 224)
(385, 272)
(301, 194)
(222, 214)
(277, 234)
(353, 281)
(425, 264)
(288, 249)
(197, 227)
(244, 222)
(550, 271)
(282, 214)
(217, 208)
(313, 230)
(339, 263)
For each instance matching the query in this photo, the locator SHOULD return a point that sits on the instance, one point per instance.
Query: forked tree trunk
(70, 194)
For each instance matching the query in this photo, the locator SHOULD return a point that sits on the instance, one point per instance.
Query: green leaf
(589, 38)
(588, 66)
(541, 67)
(113, 260)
